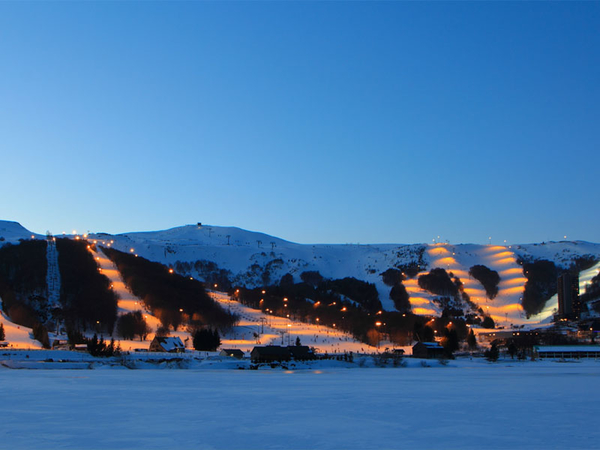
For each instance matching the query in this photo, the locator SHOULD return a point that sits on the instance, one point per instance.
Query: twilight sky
(317, 122)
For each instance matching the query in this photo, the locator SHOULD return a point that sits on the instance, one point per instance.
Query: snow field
(283, 331)
(270, 328)
(464, 406)
(505, 308)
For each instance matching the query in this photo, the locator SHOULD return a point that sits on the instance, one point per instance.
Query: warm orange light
(513, 281)
(446, 261)
(504, 261)
(438, 251)
(418, 301)
(513, 271)
(424, 311)
(512, 290)
(503, 254)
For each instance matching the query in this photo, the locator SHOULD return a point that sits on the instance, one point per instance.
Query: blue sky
(312, 121)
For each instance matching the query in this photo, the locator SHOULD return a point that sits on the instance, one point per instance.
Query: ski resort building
(301, 352)
(569, 306)
(428, 350)
(167, 344)
(270, 353)
(232, 353)
(567, 351)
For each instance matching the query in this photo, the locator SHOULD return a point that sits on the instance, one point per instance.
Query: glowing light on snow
(505, 261)
(493, 248)
(513, 271)
(513, 290)
(513, 281)
(503, 254)
(437, 250)
(446, 261)
(418, 301)
(424, 311)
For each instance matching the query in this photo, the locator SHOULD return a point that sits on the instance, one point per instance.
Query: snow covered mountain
(233, 256)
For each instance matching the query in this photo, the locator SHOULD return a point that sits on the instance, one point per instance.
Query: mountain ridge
(235, 256)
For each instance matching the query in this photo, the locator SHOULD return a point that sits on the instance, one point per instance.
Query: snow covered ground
(465, 405)
(271, 329)
(248, 254)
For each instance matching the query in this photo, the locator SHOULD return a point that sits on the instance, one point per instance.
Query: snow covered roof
(567, 348)
(431, 344)
(170, 343)
(231, 352)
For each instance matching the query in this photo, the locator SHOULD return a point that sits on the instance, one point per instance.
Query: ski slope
(505, 308)
(247, 255)
(271, 329)
(256, 328)
(18, 336)
(254, 259)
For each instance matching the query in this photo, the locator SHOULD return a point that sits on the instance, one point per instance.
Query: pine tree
(40, 333)
(298, 343)
(472, 340)
(493, 353)
(512, 350)
(2, 334)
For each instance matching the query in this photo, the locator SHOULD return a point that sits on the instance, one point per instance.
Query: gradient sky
(317, 122)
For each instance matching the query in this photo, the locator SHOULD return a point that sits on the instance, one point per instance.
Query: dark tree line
(206, 340)
(86, 296)
(438, 282)
(173, 298)
(304, 302)
(101, 348)
(541, 284)
(400, 297)
(392, 276)
(487, 277)
(133, 324)
(23, 270)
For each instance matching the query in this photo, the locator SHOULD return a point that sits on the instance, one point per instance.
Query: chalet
(270, 353)
(566, 351)
(60, 344)
(428, 350)
(170, 344)
(301, 352)
(232, 353)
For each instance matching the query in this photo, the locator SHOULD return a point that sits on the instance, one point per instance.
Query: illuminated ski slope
(270, 329)
(282, 331)
(505, 308)
(18, 336)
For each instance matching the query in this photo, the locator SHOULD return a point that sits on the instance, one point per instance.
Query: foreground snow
(467, 405)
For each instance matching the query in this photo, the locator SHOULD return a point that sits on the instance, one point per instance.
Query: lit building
(569, 305)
